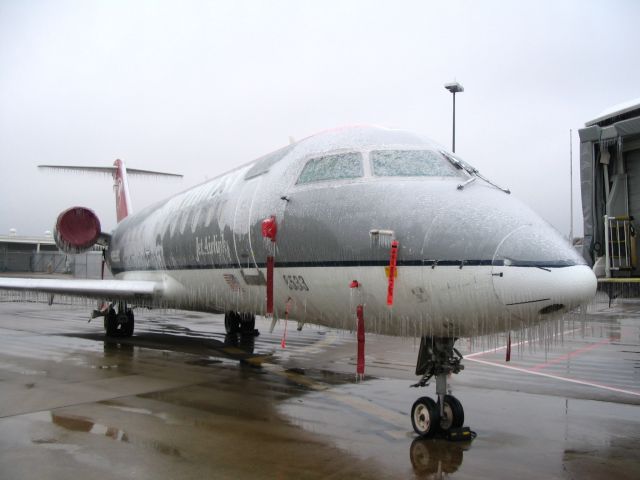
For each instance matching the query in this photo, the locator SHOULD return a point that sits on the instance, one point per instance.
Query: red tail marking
(121, 187)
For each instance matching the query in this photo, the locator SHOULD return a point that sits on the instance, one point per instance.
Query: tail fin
(121, 189)
(120, 183)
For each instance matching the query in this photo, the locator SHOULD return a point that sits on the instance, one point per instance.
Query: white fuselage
(471, 261)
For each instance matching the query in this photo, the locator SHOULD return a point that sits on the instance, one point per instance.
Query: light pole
(454, 87)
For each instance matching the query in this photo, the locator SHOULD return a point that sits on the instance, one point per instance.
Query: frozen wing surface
(99, 289)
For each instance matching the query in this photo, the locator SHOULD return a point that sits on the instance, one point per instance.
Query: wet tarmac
(181, 400)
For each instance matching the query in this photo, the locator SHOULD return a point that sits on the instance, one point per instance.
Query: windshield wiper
(464, 184)
(473, 172)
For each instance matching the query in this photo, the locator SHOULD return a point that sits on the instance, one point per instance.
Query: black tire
(231, 322)
(425, 417)
(453, 414)
(127, 328)
(111, 323)
(247, 323)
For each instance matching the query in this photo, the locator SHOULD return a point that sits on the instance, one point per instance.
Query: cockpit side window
(332, 167)
(411, 163)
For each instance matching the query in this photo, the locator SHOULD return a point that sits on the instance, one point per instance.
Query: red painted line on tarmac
(557, 377)
(569, 355)
(524, 342)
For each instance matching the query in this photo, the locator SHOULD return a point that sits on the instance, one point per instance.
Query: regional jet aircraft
(365, 223)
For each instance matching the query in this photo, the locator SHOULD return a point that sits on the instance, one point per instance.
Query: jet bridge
(610, 181)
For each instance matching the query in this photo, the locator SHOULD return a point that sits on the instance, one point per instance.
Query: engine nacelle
(77, 230)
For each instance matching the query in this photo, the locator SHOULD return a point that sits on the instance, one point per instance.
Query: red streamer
(360, 367)
(270, 265)
(392, 271)
(283, 342)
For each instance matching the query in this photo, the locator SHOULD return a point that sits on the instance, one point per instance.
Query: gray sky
(199, 87)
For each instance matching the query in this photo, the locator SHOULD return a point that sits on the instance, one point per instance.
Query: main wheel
(424, 416)
(231, 322)
(247, 323)
(127, 328)
(111, 323)
(453, 414)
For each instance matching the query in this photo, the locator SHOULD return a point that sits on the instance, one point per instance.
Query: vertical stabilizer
(121, 189)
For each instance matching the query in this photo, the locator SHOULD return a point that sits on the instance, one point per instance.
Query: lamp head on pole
(454, 87)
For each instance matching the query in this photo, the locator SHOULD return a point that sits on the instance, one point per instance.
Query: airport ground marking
(571, 354)
(557, 377)
(524, 342)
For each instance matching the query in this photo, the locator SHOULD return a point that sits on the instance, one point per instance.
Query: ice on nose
(536, 272)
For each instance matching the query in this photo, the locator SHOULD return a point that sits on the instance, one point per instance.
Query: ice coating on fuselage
(206, 241)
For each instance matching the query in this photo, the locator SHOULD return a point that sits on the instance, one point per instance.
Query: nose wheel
(437, 358)
(425, 416)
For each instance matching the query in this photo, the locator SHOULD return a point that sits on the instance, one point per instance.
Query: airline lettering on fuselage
(212, 245)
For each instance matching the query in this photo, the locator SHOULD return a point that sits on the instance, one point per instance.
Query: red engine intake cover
(77, 230)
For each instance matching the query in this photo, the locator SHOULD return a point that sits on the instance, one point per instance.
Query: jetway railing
(619, 236)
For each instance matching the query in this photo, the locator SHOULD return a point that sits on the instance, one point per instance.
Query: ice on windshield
(411, 163)
(332, 167)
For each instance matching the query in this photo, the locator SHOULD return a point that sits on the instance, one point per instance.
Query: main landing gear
(242, 323)
(117, 323)
(437, 358)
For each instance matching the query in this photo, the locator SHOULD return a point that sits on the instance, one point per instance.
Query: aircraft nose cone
(529, 292)
(537, 273)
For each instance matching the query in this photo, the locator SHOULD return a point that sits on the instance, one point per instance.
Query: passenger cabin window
(332, 167)
(411, 163)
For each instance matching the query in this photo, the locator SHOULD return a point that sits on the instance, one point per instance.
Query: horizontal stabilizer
(107, 170)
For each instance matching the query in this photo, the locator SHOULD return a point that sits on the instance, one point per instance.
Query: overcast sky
(198, 87)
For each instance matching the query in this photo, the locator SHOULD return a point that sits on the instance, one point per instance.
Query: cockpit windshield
(332, 167)
(411, 163)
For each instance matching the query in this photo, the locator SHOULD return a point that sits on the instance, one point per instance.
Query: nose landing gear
(437, 358)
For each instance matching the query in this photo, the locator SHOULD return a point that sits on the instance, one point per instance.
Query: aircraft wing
(99, 289)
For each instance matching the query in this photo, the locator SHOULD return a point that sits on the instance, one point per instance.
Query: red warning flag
(360, 367)
(393, 260)
(270, 264)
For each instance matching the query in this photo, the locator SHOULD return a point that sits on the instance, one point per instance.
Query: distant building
(31, 254)
(28, 254)
(610, 184)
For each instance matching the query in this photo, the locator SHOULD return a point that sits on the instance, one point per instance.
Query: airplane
(360, 228)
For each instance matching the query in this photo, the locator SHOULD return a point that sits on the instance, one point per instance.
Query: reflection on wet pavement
(81, 424)
(181, 399)
(432, 458)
